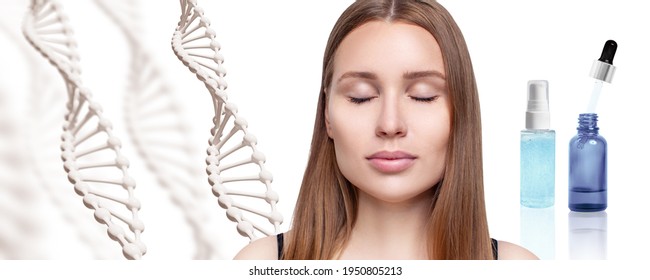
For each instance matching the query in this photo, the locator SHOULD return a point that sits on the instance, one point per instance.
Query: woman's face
(388, 110)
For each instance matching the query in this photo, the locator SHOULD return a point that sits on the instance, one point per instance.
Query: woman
(395, 167)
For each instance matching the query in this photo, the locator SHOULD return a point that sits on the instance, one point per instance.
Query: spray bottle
(537, 150)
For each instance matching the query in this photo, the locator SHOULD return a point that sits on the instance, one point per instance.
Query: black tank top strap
(495, 249)
(280, 238)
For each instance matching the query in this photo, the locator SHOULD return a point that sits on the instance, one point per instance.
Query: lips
(391, 162)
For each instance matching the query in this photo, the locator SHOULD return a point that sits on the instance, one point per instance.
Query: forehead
(388, 48)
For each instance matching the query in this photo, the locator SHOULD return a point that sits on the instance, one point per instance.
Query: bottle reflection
(588, 235)
(537, 231)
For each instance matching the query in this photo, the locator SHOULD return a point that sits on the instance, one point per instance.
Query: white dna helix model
(90, 151)
(36, 150)
(43, 134)
(233, 162)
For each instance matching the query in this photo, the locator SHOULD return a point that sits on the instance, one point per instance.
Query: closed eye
(425, 99)
(359, 100)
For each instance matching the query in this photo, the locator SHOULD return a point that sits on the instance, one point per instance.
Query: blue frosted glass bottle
(588, 167)
(537, 150)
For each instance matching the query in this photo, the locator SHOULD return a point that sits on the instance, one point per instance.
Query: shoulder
(511, 251)
(265, 248)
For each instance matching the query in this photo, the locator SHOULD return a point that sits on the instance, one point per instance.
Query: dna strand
(43, 139)
(46, 108)
(90, 151)
(150, 101)
(34, 150)
(233, 160)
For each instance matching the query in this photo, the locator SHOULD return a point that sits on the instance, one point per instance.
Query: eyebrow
(360, 75)
(408, 75)
(423, 74)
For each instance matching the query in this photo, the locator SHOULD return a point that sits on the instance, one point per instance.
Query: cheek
(349, 132)
(434, 133)
(439, 135)
(343, 122)
(434, 121)
(344, 129)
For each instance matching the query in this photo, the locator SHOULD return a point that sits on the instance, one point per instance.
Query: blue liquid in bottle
(537, 165)
(588, 167)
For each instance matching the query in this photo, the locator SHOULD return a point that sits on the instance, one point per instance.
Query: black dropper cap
(609, 50)
(603, 68)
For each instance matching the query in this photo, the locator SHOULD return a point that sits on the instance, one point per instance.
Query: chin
(395, 195)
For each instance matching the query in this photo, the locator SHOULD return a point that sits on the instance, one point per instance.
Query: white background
(273, 52)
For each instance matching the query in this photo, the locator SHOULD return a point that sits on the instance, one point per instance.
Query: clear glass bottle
(588, 167)
(537, 150)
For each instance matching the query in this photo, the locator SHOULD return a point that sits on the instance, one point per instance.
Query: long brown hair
(327, 203)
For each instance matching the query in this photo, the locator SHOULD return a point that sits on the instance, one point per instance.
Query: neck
(386, 230)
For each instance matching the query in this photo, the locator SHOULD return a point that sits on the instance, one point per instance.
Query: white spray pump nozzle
(537, 114)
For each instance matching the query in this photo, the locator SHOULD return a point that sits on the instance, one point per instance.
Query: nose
(391, 120)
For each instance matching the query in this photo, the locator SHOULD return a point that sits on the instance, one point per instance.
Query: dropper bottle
(588, 149)
(537, 150)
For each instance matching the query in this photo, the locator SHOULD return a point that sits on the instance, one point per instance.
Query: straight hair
(326, 208)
